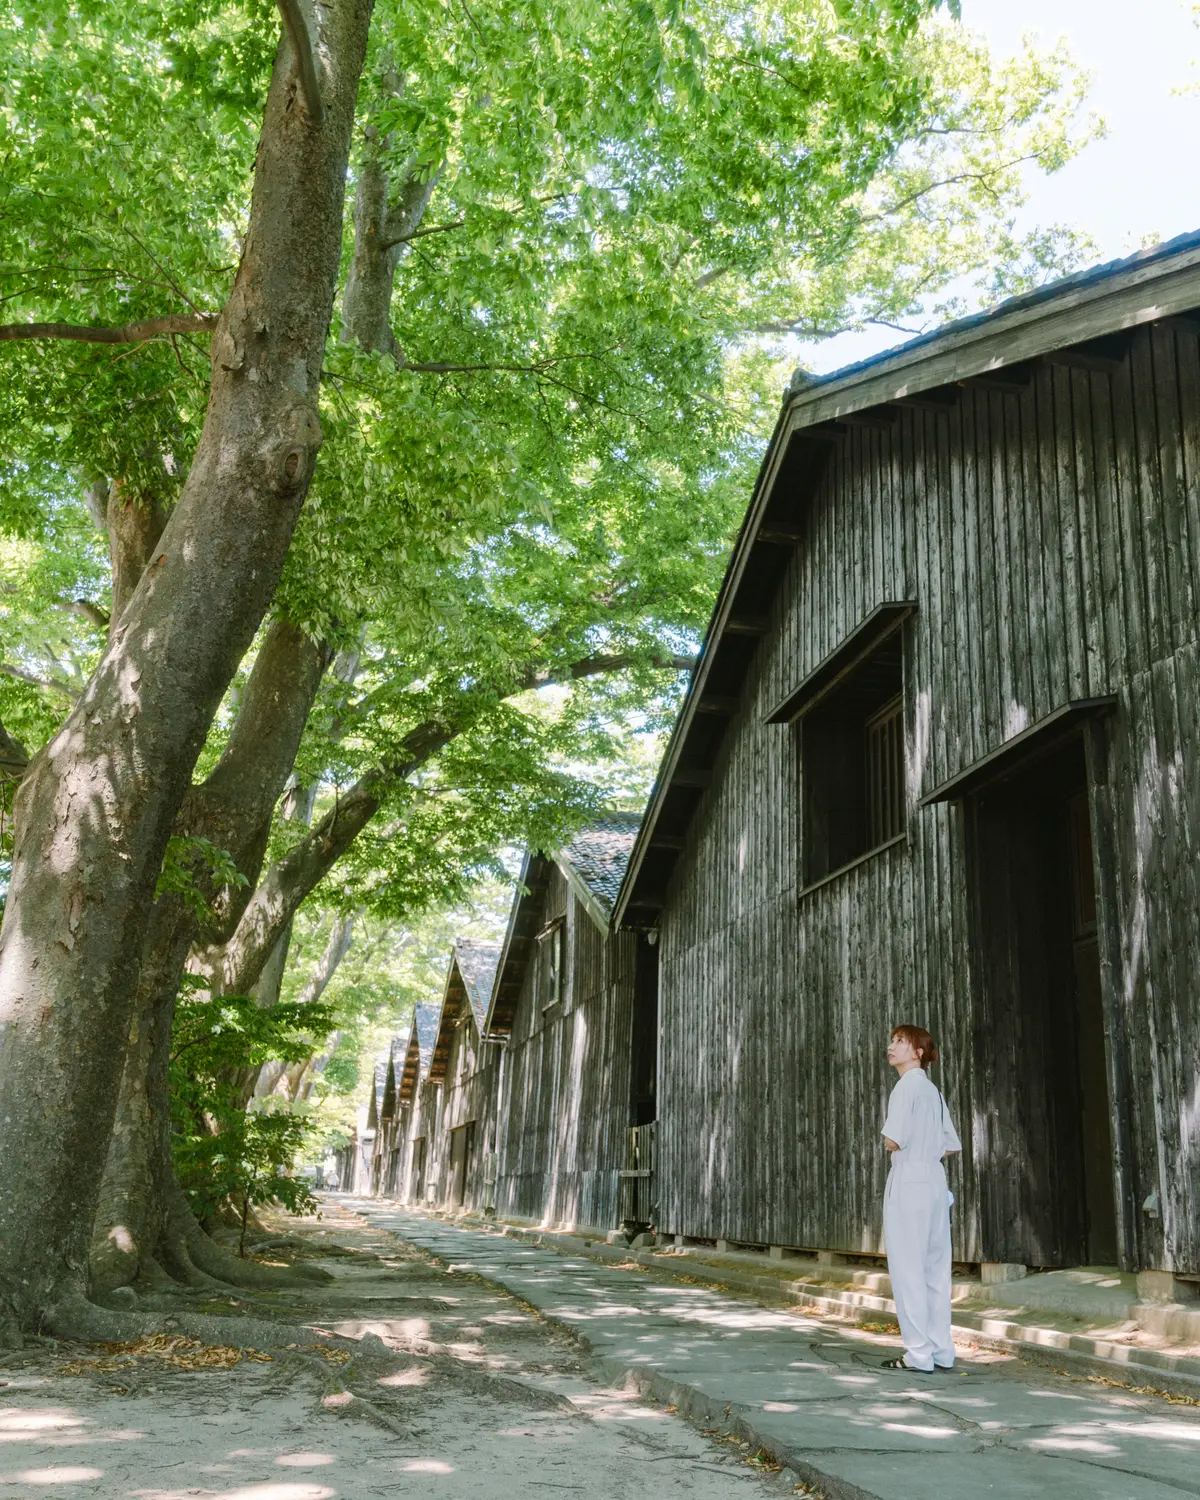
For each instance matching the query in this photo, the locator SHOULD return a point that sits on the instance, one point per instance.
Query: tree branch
(709, 277)
(14, 758)
(417, 234)
(302, 51)
(86, 610)
(289, 881)
(127, 333)
(48, 684)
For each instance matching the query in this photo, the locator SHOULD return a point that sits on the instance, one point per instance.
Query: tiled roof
(425, 1023)
(599, 853)
(477, 964)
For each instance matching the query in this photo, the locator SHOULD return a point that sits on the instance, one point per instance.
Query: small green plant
(227, 1154)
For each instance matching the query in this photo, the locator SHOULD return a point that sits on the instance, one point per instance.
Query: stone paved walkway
(814, 1393)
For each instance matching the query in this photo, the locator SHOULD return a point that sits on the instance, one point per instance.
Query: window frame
(552, 944)
(835, 739)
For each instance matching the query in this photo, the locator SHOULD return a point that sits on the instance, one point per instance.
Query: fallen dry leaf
(172, 1349)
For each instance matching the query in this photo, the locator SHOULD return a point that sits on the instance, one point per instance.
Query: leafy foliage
(224, 1153)
(519, 523)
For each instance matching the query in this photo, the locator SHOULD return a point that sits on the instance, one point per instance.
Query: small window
(885, 774)
(553, 943)
(853, 795)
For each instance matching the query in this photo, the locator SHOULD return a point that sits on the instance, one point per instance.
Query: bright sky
(1144, 177)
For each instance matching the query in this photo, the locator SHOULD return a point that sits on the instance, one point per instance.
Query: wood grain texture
(564, 1108)
(1051, 538)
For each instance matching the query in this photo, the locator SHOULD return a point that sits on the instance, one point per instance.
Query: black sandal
(898, 1364)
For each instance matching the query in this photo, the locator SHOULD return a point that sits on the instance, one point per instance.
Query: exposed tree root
(280, 1242)
(74, 1317)
(340, 1400)
(215, 1261)
(482, 1382)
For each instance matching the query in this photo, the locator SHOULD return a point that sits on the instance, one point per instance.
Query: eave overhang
(1015, 755)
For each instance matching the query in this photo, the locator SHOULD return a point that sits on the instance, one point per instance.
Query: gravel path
(463, 1392)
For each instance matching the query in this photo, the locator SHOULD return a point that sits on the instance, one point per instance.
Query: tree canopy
(582, 244)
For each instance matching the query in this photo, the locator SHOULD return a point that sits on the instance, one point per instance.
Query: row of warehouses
(939, 763)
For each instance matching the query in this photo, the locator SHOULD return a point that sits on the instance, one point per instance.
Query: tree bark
(97, 806)
(135, 526)
(323, 971)
(134, 1226)
(380, 233)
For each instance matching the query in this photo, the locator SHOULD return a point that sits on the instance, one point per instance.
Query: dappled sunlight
(1073, 1445)
(305, 1460)
(1164, 1431)
(27, 1426)
(59, 1475)
(914, 1431)
(278, 1492)
(414, 1377)
(403, 1330)
(425, 1466)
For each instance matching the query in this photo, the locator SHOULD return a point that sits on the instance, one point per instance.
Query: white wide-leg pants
(916, 1233)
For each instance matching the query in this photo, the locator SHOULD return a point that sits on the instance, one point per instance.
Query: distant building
(574, 1007)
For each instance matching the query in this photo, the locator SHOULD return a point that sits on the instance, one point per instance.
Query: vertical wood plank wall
(1051, 539)
(564, 1105)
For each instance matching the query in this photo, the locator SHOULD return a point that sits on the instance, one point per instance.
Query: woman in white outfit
(918, 1132)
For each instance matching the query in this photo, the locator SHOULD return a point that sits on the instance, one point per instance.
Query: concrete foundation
(993, 1272)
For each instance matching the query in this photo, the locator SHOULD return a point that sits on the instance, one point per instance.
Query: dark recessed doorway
(1046, 1186)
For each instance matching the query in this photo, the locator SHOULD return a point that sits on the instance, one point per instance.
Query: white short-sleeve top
(919, 1123)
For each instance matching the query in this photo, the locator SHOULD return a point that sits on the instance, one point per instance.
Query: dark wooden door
(461, 1141)
(1039, 1082)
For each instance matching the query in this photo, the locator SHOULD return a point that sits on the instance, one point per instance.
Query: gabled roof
(477, 965)
(1081, 318)
(593, 863)
(418, 1052)
(468, 985)
(595, 860)
(378, 1083)
(387, 1099)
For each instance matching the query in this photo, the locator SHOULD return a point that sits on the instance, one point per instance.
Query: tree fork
(96, 808)
(232, 809)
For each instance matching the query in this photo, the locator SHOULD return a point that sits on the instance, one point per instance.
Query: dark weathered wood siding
(1051, 541)
(467, 1098)
(564, 1109)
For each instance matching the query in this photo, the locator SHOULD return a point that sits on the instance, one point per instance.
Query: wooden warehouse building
(409, 1058)
(462, 1073)
(573, 1012)
(941, 763)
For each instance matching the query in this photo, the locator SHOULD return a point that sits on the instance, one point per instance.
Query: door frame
(1097, 734)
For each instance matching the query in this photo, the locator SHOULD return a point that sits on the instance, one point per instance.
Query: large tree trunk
(96, 808)
(136, 1228)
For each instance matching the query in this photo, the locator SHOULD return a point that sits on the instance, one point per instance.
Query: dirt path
(462, 1392)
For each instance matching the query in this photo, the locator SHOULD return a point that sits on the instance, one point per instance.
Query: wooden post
(1108, 933)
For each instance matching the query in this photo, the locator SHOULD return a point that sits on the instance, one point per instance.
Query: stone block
(781, 1252)
(723, 1247)
(831, 1258)
(1164, 1286)
(617, 1237)
(643, 1241)
(992, 1272)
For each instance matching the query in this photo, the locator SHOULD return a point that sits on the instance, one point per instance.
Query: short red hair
(920, 1041)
